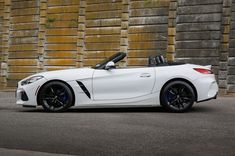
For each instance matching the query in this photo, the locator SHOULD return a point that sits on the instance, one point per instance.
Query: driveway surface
(208, 129)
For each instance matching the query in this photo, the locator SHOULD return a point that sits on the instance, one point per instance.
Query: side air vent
(84, 89)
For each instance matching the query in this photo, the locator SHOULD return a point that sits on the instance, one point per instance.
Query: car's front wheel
(55, 96)
(177, 96)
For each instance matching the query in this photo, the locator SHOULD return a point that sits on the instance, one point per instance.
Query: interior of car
(153, 61)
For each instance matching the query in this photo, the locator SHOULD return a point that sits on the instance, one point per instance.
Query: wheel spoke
(174, 91)
(52, 91)
(181, 90)
(58, 101)
(52, 107)
(182, 105)
(178, 104)
(48, 98)
(173, 102)
(185, 99)
(62, 92)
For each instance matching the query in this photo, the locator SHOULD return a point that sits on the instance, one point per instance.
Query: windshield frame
(115, 58)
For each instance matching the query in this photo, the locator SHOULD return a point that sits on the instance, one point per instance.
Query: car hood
(68, 74)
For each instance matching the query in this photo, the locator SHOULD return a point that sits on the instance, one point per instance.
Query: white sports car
(175, 86)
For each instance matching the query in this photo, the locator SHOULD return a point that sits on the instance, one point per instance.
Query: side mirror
(109, 65)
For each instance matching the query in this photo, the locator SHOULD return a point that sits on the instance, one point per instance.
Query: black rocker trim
(84, 89)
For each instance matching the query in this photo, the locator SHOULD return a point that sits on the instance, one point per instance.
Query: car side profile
(175, 86)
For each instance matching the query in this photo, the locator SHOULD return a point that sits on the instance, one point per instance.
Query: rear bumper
(207, 88)
(215, 97)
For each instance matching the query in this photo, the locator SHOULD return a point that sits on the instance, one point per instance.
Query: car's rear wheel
(55, 96)
(177, 96)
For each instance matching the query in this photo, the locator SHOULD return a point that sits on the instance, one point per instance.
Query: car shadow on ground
(119, 110)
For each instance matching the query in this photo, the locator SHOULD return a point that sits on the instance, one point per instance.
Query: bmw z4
(173, 85)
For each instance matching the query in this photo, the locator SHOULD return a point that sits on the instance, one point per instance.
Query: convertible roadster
(175, 86)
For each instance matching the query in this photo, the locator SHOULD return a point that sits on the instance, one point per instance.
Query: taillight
(203, 71)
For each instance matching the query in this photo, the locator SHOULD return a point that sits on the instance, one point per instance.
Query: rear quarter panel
(167, 73)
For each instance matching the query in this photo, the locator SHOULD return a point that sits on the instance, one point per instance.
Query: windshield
(115, 58)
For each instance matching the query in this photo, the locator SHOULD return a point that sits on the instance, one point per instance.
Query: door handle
(145, 75)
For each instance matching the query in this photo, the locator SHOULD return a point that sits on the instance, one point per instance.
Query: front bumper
(21, 95)
(27, 95)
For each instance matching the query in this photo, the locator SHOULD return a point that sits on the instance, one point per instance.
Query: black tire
(55, 96)
(177, 96)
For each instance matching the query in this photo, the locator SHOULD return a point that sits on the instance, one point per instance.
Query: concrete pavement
(208, 129)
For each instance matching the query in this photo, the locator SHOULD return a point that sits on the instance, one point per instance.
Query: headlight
(31, 80)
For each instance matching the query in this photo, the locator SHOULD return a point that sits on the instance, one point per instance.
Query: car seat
(156, 61)
(151, 61)
(160, 60)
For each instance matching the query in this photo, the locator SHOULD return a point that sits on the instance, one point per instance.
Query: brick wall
(43, 35)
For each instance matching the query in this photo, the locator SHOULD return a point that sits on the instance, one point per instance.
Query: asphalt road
(208, 129)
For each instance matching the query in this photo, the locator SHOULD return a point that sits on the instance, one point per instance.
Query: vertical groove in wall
(81, 33)
(1, 34)
(231, 52)
(124, 30)
(5, 41)
(42, 34)
(171, 30)
(224, 46)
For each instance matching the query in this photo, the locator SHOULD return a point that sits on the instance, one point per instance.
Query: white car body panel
(119, 84)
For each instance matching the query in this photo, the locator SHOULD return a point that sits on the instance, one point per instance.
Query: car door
(118, 84)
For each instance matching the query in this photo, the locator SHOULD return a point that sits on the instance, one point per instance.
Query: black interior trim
(159, 61)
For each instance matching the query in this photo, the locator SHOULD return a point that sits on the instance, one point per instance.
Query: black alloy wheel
(177, 96)
(55, 96)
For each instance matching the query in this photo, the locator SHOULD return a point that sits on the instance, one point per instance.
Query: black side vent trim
(84, 89)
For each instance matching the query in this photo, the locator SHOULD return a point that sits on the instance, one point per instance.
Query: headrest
(160, 59)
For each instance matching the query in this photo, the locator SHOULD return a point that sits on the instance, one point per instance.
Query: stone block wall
(198, 31)
(147, 31)
(230, 85)
(59, 32)
(44, 35)
(102, 30)
(21, 51)
(1, 33)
